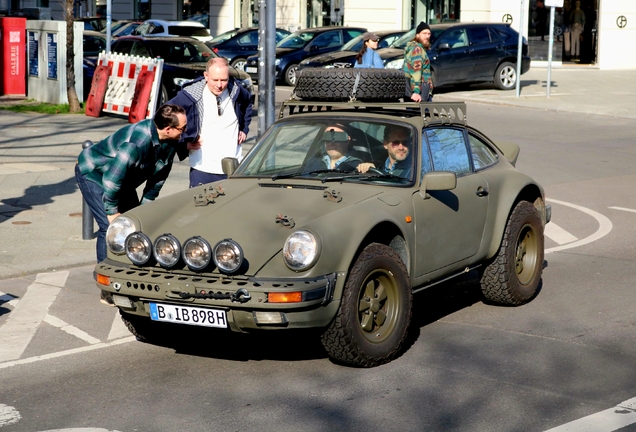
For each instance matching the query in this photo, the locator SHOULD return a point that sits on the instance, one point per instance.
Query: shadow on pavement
(36, 196)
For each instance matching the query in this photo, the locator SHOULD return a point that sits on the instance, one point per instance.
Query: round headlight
(197, 253)
(117, 232)
(167, 250)
(301, 250)
(138, 248)
(228, 256)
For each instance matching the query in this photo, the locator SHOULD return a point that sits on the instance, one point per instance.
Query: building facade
(609, 27)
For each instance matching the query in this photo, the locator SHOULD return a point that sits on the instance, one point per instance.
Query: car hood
(247, 212)
(331, 57)
(280, 52)
(390, 53)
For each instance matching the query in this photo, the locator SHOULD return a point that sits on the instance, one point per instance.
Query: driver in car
(397, 142)
(336, 143)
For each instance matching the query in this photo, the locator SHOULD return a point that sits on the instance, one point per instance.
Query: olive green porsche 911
(340, 213)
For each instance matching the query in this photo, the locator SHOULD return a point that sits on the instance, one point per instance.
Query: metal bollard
(87, 215)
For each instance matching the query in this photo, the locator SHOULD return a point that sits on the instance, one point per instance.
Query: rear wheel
(239, 64)
(163, 98)
(514, 275)
(375, 312)
(506, 76)
(290, 74)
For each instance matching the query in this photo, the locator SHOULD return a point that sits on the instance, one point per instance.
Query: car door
(449, 224)
(484, 53)
(452, 59)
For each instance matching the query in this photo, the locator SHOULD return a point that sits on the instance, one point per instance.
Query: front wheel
(143, 328)
(513, 276)
(506, 76)
(238, 63)
(375, 312)
(291, 74)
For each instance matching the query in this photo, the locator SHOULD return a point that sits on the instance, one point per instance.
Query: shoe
(106, 298)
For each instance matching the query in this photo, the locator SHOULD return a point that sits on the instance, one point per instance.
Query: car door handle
(482, 191)
(469, 51)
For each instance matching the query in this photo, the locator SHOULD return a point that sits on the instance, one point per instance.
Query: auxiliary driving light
(197, 253)
(269, 318)
(138, 248)
(167, 250)
(228, 256)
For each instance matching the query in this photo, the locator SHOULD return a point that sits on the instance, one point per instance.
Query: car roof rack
(431, 112)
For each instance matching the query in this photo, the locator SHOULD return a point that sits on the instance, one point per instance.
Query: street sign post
(520, 50)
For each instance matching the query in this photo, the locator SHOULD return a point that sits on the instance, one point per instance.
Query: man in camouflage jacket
(417, 66)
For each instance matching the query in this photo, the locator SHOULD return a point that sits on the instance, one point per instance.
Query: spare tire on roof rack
(344, 84)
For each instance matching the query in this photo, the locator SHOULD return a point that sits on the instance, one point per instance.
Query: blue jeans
(93, 194)
(201, 177)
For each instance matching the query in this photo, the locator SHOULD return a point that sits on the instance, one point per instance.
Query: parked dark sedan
(238, 44)
(346, 56)
(303, 44)
(184, 60)
(467, 53)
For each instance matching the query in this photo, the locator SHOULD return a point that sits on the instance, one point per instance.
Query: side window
(350, 34)
(122, 47)
(155, 29)
(483, 156)
(498, 34)
(139, 49)
(246, 39)
(455, 38)
(384, 43)
(478, 35)
(329, 39)
(449, 151)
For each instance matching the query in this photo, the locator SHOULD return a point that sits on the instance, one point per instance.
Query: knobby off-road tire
(375, 313)
(514, 275)
(337, 84)
(143, 328)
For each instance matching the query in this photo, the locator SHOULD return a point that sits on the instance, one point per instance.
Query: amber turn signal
(285, 297)
(103, 280)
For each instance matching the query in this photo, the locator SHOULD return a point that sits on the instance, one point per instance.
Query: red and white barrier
(125, 70)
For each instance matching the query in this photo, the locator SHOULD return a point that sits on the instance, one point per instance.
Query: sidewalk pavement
(40, 204)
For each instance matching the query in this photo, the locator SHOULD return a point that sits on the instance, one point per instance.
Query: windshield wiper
(288, 175)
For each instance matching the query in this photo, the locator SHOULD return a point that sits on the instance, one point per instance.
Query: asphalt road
(569, 354)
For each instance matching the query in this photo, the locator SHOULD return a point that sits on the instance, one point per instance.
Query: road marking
(624, 209)
(622, 415)
(604, 228)
(67, 352)
(24, 320)
(558, 234)
(8, 415)
(118, 329)
(72, 330)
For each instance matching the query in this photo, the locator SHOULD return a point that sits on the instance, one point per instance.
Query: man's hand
(364, 167)
(196, 144)
(241, 137)
(415, 97)
(112, 217)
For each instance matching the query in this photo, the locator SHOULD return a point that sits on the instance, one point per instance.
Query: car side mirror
(229, 165)
(438, 181)
(443, 46)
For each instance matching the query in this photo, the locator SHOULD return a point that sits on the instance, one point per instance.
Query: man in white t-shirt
(219, 112)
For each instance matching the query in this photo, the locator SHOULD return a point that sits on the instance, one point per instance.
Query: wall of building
(615, 44)
(375, 15)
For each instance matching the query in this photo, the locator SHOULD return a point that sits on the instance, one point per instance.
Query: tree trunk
(73, 101)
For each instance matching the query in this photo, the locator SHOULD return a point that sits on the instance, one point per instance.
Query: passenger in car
(336, 141)
(397, 142)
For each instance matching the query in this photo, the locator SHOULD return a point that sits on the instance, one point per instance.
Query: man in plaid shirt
(417, 66)
(109, 172)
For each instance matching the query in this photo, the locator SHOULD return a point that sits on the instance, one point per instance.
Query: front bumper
(243, 298)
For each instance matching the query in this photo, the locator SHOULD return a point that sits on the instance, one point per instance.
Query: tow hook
(241, 296)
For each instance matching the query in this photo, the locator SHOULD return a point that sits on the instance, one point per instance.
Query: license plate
(188, 315)
(251, 69)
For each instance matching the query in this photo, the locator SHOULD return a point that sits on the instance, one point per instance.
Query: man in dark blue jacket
(219, 112)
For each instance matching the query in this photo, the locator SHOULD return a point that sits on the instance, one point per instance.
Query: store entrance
(575, 32)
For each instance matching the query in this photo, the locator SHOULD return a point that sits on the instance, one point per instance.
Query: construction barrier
(122, 83)
(139, 105)
(96, 96)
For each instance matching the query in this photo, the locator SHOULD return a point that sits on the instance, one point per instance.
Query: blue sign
(51, 45)
(34, 64)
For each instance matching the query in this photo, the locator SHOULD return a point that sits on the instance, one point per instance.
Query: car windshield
(223, 37)
(332, 150)
(296, 40)
(354, 44)
(191, 51)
